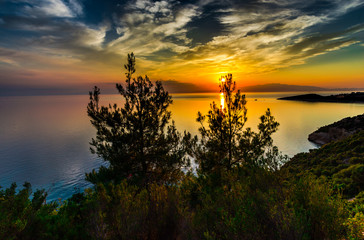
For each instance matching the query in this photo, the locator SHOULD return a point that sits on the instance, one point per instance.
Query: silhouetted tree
(137, 140)
(225, 144)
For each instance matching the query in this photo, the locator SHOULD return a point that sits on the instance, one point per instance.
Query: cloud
(247, 37)
(317, 41)
(71, 40)
(76, 7)
(148, 27)
(255, 32)
(343, 6)
(273, 35)
(51, 8)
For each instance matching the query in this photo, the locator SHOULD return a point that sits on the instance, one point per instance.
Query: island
(354, 97)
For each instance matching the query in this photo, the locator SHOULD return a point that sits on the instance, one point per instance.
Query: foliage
(137, 140)
(231, 210)
(355, 222)
(109, 212)
(355, 226)
(225, 144)
(318, 212)
(342, 162)
(350, 124)
(254, 204)
(20, 215)
(249, 204)
(125, 212)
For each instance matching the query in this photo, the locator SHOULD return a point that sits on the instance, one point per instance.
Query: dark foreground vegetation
(237, 191)
(354, 97)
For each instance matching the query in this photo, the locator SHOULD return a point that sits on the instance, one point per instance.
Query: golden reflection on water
(297, 119)
(34, 128)
(222, 101)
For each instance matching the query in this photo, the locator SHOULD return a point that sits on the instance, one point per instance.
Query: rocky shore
(337, 130)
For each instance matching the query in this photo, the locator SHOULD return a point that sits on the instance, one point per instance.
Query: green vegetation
(246, 204)
(341, 162)
(237, 192)
(350, 124)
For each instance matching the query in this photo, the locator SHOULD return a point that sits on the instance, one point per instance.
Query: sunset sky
(67, 46)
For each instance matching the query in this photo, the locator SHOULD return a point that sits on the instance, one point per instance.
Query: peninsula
(337, 130)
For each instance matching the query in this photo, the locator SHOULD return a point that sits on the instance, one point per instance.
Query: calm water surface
(45, 139)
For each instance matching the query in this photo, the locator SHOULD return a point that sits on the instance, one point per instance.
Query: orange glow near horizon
(195, 75)
(333, 75)
(200, 75)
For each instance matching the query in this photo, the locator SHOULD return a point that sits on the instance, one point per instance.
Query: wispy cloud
(250, 37)
(148, 27)
(51, 8)
(274, 35)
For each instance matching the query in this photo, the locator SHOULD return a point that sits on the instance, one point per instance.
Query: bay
(45, 139)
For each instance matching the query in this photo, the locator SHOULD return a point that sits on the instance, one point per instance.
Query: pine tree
(225, 143)
(137, 140)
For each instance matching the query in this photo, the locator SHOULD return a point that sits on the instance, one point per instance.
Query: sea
(44, 140)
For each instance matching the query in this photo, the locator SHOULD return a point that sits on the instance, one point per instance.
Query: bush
(20, 216)
(254, 204)
(125, 211)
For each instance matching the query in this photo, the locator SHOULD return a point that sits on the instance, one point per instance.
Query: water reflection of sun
(222, 97)
(222, 100)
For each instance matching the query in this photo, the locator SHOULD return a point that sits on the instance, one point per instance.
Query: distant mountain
(277, 87)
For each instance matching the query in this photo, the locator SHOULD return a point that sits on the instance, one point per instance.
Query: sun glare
(222, 100)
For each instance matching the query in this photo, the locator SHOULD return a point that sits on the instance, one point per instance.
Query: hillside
(337, 130)
(341, 161)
